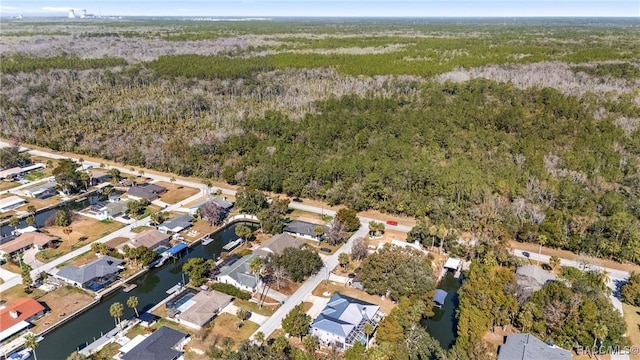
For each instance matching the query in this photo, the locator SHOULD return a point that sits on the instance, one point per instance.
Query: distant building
(43, 191)
(19, 171)
(26, 241)
(11, 203)
(341, 322)
(107, 210)
(93, 276)
(147, 191)
(18, 316)
(203, 307)
(277, 244)
(152, 239)
(238, 274)
(163, 344)
(529, 347)
(304, 230)
(176, 224)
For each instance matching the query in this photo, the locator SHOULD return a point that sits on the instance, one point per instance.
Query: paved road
(120, 232)
(331, 262)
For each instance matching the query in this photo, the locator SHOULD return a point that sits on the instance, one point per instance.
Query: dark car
(326, 250)
(525, 254)
(351, 275)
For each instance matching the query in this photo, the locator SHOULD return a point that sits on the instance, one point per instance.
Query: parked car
(325, 250)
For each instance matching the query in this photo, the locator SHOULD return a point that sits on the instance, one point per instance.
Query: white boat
(21, 355)
(207, 241)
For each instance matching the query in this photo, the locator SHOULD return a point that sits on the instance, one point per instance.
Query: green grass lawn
(35, 175)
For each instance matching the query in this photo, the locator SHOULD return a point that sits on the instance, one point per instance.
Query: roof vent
(14, 314)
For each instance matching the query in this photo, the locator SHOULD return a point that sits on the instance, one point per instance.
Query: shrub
(231, 290)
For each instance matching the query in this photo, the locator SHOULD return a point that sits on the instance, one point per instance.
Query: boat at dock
(233, 244)
(20, 355)
(207, 241)
(129, 287)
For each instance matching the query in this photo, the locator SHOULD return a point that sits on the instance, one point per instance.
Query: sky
(327, 8)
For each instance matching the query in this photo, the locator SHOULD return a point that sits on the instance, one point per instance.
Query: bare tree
(211, 212)
(280, 276)
(336, 233)
(360, 249)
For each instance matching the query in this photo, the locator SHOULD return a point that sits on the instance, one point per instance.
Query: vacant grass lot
(61, 302)
(632, 318)
(83, 231)
(176, 193)
(15, 293)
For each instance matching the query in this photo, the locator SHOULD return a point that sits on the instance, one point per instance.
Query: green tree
(76, 356)
(259, 337)
(296, 322)
(630, 291)
(31, 220)
(116, 310)
(310, 343)
(542, 240)
(244, 232)
(67, 231)
(554, 262)
(62, 218)
(27, 281)
(272, 218)
(67, 175)
(14, 221)
(343, 259)
(349, 218)
(197, 269)
(31, 342)
(242, 314)
(132, 302)
(251, 201)
(157, 217)
(368, 330)
(32, 210)
(398, 271)
(299, 263)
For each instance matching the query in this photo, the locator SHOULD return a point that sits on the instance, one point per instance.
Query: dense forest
(502, 131)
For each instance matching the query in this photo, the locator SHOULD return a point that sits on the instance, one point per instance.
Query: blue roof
(177, 248)
(343, 313)
(440, 296)
(148, 317)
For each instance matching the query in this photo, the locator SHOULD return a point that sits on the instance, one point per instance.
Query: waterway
(442, 326)
(150, 290)
(41, 217)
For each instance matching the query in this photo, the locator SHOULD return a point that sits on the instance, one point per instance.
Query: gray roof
(440, 296)
(117, 207)
(105, 265)
(44, 187)
(302, 227)
(206, 304)
(239, 271)
(529, 347)
(146, 191)
(225, 204)
(343, 314)
(181, 221)
(277, 244)
(160, 345)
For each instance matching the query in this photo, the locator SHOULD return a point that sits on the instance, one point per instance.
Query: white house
(238, 274)
(341, 322)
(11, 203)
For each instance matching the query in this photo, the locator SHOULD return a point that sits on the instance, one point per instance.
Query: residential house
(25, 241)
(529, 347)
(238, 274)
(99, 177)
(94, 275)
(43, 191)
(163, 344)
(222, 203)
(18, 316)
(145, 191)
(11, 203)
(341, 322)
(19, 171)
(176, 224)
(203, 307)
(152, 238)
(304, 230)
(277, 244)
(107, 210)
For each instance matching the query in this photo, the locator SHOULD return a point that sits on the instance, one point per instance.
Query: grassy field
(15, 293)
(199, 229)
(176, 193)
(35, 175)
(254, 308)
(61, 302)
(140, 229)
(632, 318)
(225, 325)
(6, 185)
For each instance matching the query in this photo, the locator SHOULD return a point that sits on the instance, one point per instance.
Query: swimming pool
(181, 299)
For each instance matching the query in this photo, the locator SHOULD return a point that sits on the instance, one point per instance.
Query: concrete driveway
(7, 275)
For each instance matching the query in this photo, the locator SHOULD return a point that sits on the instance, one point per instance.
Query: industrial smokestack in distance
(72, 15)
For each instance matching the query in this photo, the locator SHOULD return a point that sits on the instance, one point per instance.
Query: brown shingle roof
(27, 239)
(149, 238)
(277, 244)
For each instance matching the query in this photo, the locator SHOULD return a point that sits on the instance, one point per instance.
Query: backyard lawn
(35, 175)
(15, 293)
(199, 229)
(266, 310)
(83, 231)
(62, 303)
(176, 193)
(385, 305)
(225, 325)
(6, 185)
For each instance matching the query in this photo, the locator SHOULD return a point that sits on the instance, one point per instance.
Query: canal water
(151, 289)
(42, 217)
(442, 326)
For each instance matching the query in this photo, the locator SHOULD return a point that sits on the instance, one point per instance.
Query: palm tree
(68, 232)
(14, 221)
(368, 330)
(259, 337)
(311, 344)
(31, 220)
(242, 314)
(32, 210)
(116, 310)
(132, 302)
(31, 342)
(542, 240)
(600, 331)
